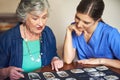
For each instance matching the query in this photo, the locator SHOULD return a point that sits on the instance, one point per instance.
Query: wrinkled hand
(56, 63)
(94, 61)
(15, 73)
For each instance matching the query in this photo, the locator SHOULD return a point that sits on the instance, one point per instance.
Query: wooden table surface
(72, 66)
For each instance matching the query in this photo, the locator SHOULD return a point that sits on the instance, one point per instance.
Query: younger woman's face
(84, 22)
(35, 22)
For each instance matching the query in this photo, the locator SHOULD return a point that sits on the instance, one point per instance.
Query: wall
(63, 11)
(62, 14)
(8, 6)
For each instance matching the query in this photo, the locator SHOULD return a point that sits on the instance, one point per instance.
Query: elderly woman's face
(36, 22)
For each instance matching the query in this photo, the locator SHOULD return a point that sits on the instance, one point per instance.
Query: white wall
(62, 14)
(112, 13)
(63, 11)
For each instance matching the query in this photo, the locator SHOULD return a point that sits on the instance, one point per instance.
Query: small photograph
(95, 78)
(89, 69)
(111, 77)
(48, 75)
(34, 76)
(77, 71)
(53, 79)
(70, 79)
(96, 74)
(101, 68)
(62, 74)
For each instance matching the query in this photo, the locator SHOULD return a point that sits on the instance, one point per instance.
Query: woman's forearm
(110, 62)
(3, 73)
(69, 53)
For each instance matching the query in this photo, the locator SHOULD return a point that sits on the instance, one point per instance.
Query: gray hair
(27, 6)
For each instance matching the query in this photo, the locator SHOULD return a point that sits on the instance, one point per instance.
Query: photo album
(92, 73)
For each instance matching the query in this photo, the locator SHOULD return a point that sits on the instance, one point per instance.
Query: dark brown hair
(94, 8)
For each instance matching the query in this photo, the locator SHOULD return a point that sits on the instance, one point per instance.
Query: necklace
(30, 54)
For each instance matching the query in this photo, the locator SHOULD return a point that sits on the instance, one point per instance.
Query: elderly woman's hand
(56, 63)
(14, 73)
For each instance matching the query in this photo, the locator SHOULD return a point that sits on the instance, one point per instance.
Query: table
(72, 66)
(68, 72)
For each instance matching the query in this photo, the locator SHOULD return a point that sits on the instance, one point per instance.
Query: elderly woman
(31, 44)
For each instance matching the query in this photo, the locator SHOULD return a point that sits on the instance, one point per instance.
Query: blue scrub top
(104, 43)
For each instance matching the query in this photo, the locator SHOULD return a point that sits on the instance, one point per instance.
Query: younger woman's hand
(73, 27)
(93, 61)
